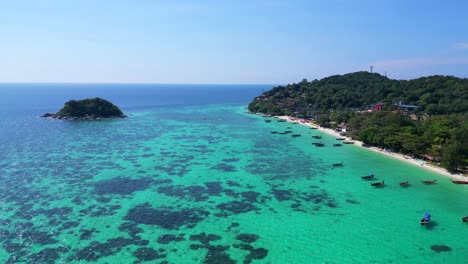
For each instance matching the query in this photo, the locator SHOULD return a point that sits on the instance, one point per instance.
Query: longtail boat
(378, 184)
(426, 219)
(368, 177)
(460, 182)
(429, 182)
(404, 184)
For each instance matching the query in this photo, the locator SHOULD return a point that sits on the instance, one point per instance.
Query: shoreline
(415, 162)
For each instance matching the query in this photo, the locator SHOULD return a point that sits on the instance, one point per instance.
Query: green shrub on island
(91, 108)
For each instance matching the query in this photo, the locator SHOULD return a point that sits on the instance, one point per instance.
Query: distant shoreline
(398, 156)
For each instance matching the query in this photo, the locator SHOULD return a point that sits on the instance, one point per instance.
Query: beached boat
(378, 184)
(338, 164)
(313, 127)
(317, 137)
(337, 145)
(348, 142)
(460, 182)
(295, 135)
(429, 182)
(368, 177)
(404, 184)
(340, 138)
(426, 219)
(295, 122)
(465, 219)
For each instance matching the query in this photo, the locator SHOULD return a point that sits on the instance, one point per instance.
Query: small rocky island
(87, 109)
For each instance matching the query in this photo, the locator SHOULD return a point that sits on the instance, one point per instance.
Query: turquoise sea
(190, 177)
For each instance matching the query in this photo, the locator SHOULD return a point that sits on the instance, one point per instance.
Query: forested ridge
(434, 128)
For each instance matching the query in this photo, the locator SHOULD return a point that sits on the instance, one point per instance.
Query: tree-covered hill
(91, 108)
(436, 129)
(359, 90)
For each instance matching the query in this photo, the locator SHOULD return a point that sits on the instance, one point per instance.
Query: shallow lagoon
(200, 181)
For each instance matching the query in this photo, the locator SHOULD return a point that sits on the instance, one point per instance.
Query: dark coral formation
(165, 217)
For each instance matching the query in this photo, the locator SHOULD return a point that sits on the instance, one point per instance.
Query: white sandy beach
(415, 162)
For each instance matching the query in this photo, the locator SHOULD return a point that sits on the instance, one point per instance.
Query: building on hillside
(377, 107)
(373, 108)
(404, 107)
(341, 127)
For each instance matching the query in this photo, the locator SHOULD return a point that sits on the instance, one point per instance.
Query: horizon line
(136, 83)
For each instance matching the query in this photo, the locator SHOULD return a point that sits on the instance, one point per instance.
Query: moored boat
(429, 182)
(281, 120)
(274, 132)
(295, 135)
(465, 219)
(426, 219)
(317, 137)
(368, 177)
(338, 164)
(378, 184)
(340, 138)
(337, 145)
(318, 144)
(267, 120)
(404, 184)
(459, 182)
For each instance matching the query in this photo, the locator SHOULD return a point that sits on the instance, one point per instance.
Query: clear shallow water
(191, 178)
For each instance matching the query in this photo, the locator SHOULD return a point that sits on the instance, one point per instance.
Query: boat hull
(459, 182)
(429, 182)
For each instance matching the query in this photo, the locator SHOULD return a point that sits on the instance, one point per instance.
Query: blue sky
(228, 41)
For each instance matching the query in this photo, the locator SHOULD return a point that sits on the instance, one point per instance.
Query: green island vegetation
(91, 108)
(425, 117)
